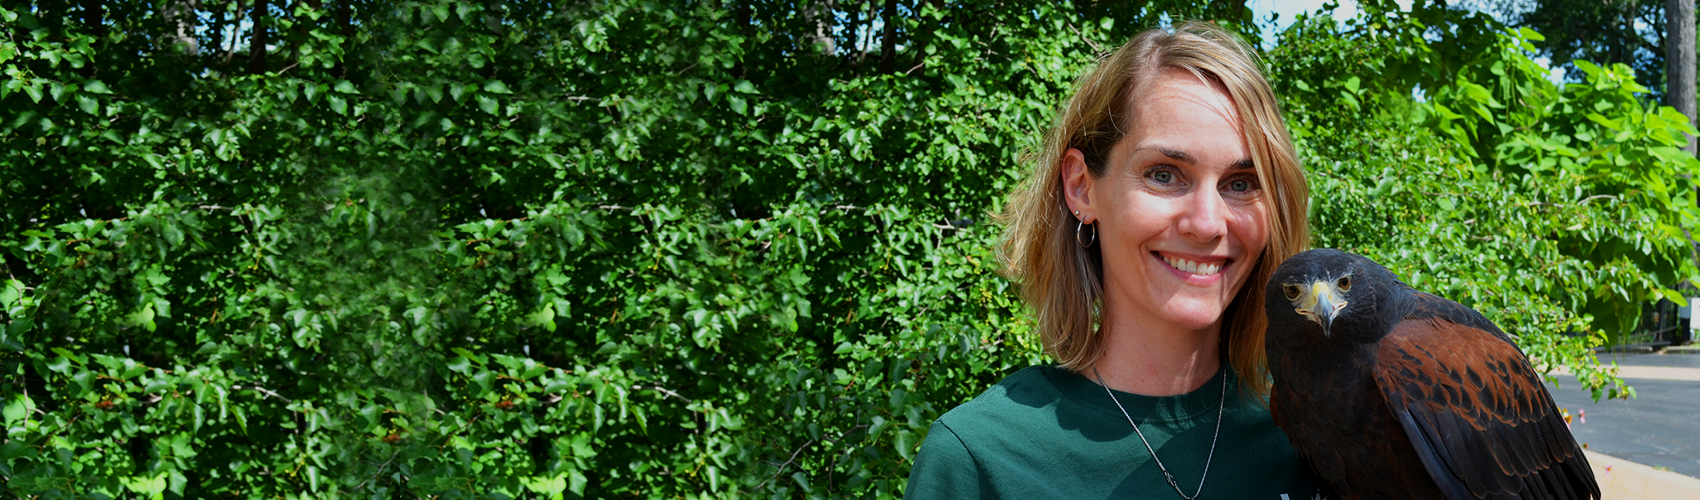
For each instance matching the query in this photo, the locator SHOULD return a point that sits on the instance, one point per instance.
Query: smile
(1192, 267)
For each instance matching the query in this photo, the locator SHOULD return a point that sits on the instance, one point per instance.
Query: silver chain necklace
(1219, 406)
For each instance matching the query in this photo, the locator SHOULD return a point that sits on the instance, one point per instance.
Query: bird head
(1320, 300)
(1326, 289)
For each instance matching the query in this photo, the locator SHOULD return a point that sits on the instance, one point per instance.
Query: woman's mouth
(1189, 266)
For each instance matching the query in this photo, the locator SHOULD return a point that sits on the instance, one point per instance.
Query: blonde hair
(1062, 281)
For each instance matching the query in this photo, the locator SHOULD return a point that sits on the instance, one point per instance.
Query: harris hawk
(1389, 392)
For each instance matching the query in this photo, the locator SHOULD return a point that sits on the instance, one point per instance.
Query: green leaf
(18, 409)
(91, 86)
(346, 87)
(468, 355)
(143, 317)
(487, 104)
(10, 291)
(496, 87)
(1674, 296)
(577, 482)
(533, 371)
(905, 444)
(70, 356)
(550, 486)
(152, 487)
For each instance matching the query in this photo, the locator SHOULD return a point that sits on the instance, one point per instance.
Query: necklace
(1219, 406)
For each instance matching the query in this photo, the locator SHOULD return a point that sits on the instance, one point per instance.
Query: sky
(1290, 9)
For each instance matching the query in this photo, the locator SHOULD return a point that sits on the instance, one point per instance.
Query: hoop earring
(1085, 244)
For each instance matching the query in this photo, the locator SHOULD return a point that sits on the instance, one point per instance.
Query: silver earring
(1085, 243)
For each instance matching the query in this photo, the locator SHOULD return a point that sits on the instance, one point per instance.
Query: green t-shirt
(1047, 432)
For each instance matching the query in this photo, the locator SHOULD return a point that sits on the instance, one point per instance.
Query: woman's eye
(1241, 185)
(1163, 176)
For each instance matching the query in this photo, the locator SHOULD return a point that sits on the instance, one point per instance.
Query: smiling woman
(1164, 196)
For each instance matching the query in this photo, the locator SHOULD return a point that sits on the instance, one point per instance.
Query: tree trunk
(181, 18)
(345, 22)
(94, 17)
(1679, 75)
(741, 13)
(257, 48)
(215, 32)
(888, 43)
(1679, 59)
(820, 14)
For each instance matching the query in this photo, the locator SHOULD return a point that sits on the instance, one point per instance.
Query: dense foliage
(621, 248)
(1556, 210)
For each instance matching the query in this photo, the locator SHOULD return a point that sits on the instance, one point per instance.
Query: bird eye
(1345, 283)
(1291, 290)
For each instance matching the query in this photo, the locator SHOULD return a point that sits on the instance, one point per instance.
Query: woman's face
(1180, 213)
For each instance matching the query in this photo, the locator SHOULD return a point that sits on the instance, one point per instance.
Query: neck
(1153, 359)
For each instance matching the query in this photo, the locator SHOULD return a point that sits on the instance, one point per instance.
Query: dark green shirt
(1046, 432)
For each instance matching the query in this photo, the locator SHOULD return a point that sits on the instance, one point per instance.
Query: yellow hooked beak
(1320, 302)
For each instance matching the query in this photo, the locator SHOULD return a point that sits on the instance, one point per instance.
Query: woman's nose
(1204, 215)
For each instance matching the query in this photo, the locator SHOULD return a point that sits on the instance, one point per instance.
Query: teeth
(1192, 267)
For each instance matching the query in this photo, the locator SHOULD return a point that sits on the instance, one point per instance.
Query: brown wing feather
(1341, 426)
(1478, 416)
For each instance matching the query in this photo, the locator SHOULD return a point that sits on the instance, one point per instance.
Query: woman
(1164, 197)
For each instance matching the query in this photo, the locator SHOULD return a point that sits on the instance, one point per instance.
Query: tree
(1679, 57)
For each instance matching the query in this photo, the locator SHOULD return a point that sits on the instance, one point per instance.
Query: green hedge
(623, 248)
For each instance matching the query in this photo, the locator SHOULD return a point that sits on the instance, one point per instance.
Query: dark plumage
(1389, 392)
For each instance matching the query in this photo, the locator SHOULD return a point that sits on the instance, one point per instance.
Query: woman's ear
(1077, 185)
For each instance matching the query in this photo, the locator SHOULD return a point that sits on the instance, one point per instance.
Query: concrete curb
(1621, 478)
(1651, 372)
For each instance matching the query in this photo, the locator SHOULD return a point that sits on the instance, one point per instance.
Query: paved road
(1660, 428)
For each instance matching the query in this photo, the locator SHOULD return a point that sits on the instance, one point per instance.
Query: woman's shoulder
(988, 439)
(1022, 399)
